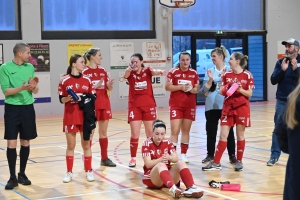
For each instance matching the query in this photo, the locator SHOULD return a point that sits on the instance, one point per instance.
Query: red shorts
(73, 128)
(182, 113)
(147, 181)
(234, 119)
(142, 113)
(103, 114)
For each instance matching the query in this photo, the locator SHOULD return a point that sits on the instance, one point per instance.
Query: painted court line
(216, 194)
(18, 193)
(92, 193)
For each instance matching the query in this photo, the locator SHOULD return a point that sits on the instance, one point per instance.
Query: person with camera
(214, 104)
(237, 87)
(285, 75)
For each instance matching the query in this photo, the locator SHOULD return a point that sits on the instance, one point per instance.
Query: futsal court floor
(47, 166)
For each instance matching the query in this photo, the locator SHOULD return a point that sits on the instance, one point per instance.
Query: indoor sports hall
(160, 30)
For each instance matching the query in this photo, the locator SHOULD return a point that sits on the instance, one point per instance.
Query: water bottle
(72, 94)
(232, 89)
(231, 187)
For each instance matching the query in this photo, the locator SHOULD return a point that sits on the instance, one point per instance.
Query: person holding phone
(102, 84)
(285, 76)
(214, 104)
(141, 102)
(236, 109)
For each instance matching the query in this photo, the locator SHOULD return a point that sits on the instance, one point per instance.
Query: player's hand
(32, 83)
(163, 72)
(240, 87)
(285, 64)
(26, 86)
(99, 84)
(165, 157)
(110, 82)
(210, 74)
(294, 64)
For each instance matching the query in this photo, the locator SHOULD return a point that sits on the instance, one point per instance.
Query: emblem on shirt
(96, 74)
(77, 85)
(183, 75)
(158, 151)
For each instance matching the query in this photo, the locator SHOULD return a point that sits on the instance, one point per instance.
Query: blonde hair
(220, 51)
(290, 113)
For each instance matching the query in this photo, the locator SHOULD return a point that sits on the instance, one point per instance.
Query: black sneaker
(232, 159)
(108, 163)
(11, 183)
(207, 159)
(272, 161)
(22, 178)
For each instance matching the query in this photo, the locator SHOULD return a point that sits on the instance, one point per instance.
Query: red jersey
(178, 77)
(247, 82)
(73, 115)
(150, 149)
(140, 89)
(96, 75)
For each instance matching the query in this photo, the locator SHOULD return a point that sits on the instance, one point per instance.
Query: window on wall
(97, 19)
(9, 19)
(233, 15)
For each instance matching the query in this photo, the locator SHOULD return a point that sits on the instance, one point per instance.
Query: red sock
(91, 142)
(186, 177)
(240, 149)
(103, 146)
(166, 178)
(184, 147)
(87, 163)
(219, 151)
(134, 142)
(69, 161)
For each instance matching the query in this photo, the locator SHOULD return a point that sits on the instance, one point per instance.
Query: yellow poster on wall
(78, 48)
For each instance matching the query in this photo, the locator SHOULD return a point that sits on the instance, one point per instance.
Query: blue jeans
(279, 109)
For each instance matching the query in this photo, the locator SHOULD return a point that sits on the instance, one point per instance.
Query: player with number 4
(141, 102)
(183, 83)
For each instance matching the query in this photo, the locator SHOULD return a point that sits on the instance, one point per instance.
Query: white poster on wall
(158, 85)
(120, 53)
(154, 54)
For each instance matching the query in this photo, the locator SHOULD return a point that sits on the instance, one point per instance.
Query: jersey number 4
(131, 115)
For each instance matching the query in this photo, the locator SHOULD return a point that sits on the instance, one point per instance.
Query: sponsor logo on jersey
(85, 87)
(244, 81)
(191, 76)
(177, 75)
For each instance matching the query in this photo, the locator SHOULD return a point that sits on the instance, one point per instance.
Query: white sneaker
(184, 158)
(90, 176)
(176, 192)
(193, 191)
(68, 177)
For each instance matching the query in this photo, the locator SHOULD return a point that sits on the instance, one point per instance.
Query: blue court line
(22, 195)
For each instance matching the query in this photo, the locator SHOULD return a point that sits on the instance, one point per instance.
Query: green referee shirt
(13, 76)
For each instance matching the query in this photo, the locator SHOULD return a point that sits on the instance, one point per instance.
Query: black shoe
(108, 163)
(22, 178)
(232, 159)
(207, 159)
(11, 183)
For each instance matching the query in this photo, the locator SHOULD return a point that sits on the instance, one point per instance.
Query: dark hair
(220, 51)
(73, 59)
(183, 53)
(90, 52)
(139, 56)
(242, 58)
(159, 124)
(20, 47)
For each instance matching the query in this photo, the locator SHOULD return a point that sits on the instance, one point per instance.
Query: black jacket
(87, 104)
(289, 142)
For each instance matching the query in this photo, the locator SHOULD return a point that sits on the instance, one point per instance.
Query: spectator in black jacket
(288, 135)
(285, 75)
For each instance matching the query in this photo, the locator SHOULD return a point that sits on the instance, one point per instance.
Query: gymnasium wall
(281, 23)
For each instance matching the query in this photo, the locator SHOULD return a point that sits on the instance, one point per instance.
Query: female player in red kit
(183, 83)
(73, 115)
(102, 84)
(236, 109)
(157, 153)
(141, 102)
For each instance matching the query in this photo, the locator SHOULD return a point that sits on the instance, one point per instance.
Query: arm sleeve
(60, 97)
(277, 74)
(4, 80)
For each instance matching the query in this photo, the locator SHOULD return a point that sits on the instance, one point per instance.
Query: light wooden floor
(46, 166)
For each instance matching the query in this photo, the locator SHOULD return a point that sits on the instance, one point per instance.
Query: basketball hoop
(183, 6)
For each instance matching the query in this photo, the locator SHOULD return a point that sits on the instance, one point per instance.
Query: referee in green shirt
(18, 83)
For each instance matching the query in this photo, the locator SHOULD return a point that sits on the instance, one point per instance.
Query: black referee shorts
(19, 119)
